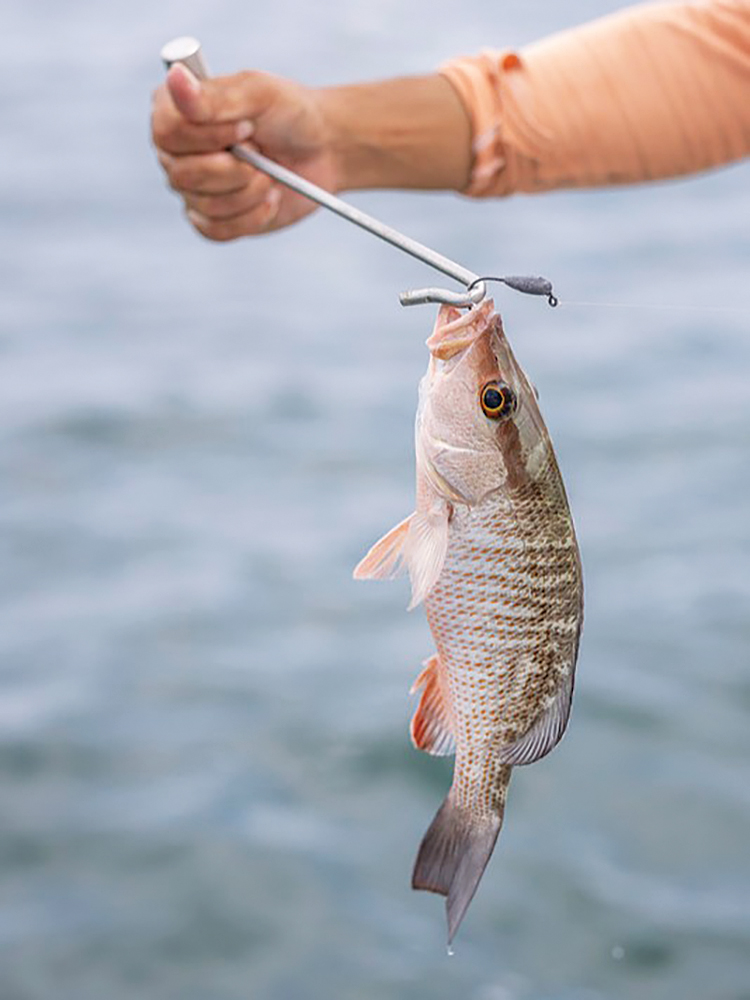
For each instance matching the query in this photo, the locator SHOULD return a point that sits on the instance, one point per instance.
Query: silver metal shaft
(188, 52)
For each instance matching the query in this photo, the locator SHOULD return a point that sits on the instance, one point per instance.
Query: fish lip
(455, 331)
(449, 349)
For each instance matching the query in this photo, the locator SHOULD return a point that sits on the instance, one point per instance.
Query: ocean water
(207, 790)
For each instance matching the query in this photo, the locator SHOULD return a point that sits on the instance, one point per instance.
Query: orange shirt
(653, 91)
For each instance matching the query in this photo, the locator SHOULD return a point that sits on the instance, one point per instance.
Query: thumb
(187, 93)
(222, 98)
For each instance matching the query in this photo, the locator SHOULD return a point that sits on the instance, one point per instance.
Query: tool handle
(186, 50)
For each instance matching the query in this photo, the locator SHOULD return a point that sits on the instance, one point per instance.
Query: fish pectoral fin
(427, 547)
(386, 558)
(431, 727)
(420, 543)
(546, 732)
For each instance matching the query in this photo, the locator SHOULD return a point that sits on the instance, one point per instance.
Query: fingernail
(272, 202)
(244, 130)
(196, 218)
(190, 78)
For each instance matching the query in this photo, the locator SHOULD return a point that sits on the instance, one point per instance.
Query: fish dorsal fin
(420, 542)
(385, 560)
(546, 732)
(431, 728)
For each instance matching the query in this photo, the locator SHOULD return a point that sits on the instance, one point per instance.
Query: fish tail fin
(453, 855)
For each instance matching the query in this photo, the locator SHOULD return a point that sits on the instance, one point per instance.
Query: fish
(492, 555)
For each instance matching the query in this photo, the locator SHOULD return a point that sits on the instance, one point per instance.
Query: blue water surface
(207, 789)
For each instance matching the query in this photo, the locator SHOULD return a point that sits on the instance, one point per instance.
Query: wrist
(408, 133)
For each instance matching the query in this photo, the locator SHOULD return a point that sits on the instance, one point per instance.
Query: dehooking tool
(187, 51)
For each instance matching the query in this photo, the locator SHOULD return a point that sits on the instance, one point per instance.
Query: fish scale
(492, 553)
(494, 629)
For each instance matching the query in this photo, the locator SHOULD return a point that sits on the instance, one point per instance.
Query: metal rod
(188, 52)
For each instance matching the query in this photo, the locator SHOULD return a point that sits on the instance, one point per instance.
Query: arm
(651, 92)
(412, 132)
(655, 91)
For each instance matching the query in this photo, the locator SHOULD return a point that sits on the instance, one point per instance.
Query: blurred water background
(207, 790)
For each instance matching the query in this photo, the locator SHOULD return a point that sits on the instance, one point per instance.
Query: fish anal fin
(385, 560)
(453, 856)
(431, 728)
(546, 732)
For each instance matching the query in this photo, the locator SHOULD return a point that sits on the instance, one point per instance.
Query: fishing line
(541, 286)
(688, 306)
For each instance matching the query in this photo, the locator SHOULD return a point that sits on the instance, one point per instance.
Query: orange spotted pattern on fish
(492, 553)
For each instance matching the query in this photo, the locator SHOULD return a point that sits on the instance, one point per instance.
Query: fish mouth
(454, 331)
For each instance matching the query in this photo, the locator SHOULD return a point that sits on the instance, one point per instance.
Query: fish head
(479, 428)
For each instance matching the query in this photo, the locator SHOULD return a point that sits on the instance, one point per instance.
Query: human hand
(194, 122)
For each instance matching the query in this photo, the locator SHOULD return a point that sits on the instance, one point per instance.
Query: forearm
(654, 91)
(412, 132)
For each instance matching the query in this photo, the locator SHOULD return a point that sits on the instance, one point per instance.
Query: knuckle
(212, 207)
(220, 207)
(193, 173)
(259, 219)
(159, 99)
(233, 175)
(163, 130)
(181, 176)
(158, 130)
(245, 80)
(174, 186)
(260, 184)
(206, 139)
(216, 174)
(241, 92)
(219, 231)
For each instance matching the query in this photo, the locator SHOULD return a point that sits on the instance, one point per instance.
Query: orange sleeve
(653, 91)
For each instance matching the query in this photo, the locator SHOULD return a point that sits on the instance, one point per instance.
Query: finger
(228, 206)
(221, 99)
(259, 220)
(206, 173)
(174, 134)
(194, 116)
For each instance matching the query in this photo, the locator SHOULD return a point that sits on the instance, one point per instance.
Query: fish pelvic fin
(431, 726)
(453, 855)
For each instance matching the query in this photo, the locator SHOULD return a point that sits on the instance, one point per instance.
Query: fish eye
(498, 400)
